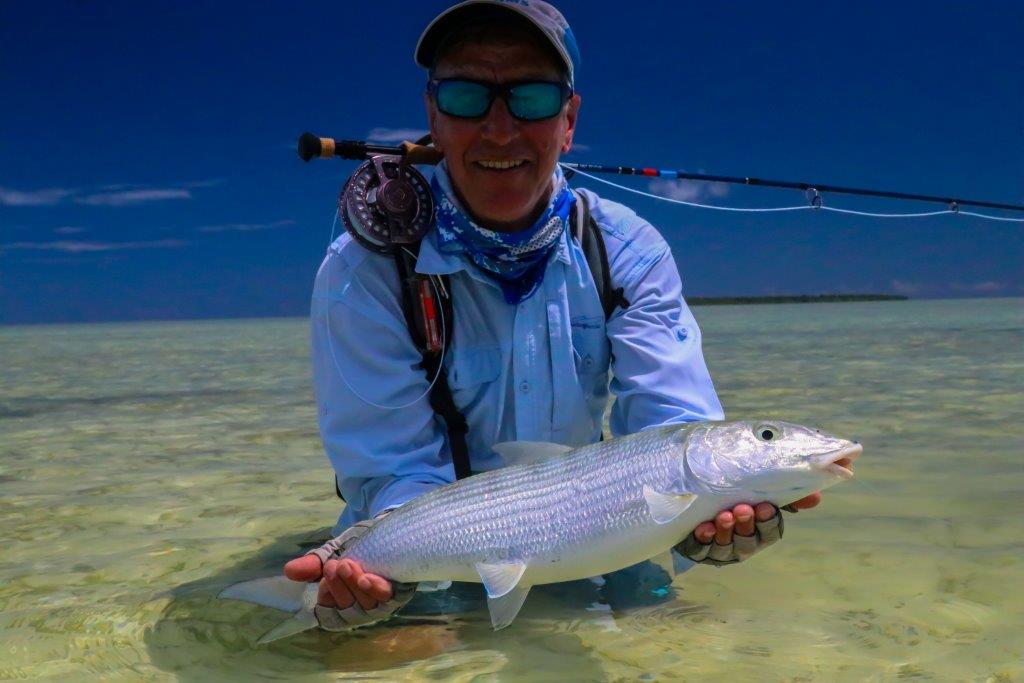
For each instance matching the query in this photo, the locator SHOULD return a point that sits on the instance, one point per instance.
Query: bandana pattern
(515, 260)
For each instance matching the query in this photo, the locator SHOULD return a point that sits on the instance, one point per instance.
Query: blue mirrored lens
(535, 101)
(463, 98)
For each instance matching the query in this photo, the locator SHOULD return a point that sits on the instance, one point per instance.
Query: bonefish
(561, 514)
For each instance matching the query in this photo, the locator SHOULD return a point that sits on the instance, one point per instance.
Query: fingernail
(344, 571)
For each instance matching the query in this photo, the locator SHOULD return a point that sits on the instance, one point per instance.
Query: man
(531, 349)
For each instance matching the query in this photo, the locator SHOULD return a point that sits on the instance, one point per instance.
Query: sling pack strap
(589, 237)
(415, 288)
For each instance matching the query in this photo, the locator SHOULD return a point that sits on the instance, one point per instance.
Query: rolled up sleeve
(658, 371)
(378, 429)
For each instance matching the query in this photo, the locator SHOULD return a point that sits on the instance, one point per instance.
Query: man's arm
(376, 423)
(658, 373)
(660, 377)
(384, 445)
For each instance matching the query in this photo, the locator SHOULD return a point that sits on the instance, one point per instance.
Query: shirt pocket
(471, 373)
(590, 347)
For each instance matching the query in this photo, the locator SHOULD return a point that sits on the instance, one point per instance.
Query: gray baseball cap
(548, 20)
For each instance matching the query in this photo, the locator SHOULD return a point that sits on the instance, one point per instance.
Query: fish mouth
(839, 461)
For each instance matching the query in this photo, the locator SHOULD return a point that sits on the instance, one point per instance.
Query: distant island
(798, 299)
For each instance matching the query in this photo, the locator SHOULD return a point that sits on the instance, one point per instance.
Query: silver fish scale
(524, 512)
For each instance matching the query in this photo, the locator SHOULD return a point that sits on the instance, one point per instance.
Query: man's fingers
(744, 515)
(355, 573)
(808, 502)
(376, 586)
(764, 511)
(704, 532)
(305, 568)
(324, 597)
(336, 585)
(724, 523)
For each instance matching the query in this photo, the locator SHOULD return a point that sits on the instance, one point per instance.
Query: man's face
(501, 199)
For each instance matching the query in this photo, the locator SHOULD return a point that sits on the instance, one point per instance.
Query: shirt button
(524, 387)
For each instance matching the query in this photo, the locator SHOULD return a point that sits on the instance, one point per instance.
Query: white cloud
(394, 135)
(45, 197)
(903, 287)
(68, 230)
(687, 190)
(984, 287)
(117, 194)
(246, 227)
(129, 197)
(79, 247)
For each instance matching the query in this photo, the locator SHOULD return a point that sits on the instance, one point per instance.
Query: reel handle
(311, 146)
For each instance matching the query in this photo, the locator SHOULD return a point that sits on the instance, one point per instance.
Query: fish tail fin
(303, 620)
(272, 591)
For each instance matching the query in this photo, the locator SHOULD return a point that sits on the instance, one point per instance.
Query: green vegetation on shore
(797, 299)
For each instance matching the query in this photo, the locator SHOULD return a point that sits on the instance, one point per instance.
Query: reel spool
(386, 203)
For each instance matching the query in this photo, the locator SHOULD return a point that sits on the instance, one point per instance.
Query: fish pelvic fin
(505, 608)
(500, 578)
(665, 507)
(304, 620)
(505, 596)
(528, 452)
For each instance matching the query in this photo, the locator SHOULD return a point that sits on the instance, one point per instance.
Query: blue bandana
(515, 260)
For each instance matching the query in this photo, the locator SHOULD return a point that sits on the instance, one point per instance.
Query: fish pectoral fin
(505, 608)
(527, 452)
(272, 591)
(664, 507)
(500, 578)
(303, 621)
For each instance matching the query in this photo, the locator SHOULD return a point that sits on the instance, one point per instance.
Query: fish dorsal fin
(273, 591)
(302, 621)
(528, 452)
(504, 609)
(664, 507)
(500, 578)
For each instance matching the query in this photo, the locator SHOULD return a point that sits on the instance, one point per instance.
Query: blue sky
(147, 164)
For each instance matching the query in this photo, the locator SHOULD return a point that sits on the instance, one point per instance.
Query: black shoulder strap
(589, 236)
(416, 289)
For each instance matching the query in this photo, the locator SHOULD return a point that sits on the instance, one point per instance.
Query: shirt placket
(531, 352)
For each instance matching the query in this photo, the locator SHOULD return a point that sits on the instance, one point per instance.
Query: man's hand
(342, 582)
(734, 535)
(348, 596)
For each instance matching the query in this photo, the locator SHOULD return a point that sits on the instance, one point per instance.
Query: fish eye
(767, 432)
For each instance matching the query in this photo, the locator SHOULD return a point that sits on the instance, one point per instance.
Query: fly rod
(311, 146)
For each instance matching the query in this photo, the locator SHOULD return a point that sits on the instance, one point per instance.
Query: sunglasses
(525, 100)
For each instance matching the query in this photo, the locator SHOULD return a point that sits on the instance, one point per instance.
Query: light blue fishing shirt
(536, 371)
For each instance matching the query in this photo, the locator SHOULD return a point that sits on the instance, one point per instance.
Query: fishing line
(337, 366)
(803, 207)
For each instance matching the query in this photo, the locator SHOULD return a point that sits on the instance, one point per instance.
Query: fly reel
(386, 203)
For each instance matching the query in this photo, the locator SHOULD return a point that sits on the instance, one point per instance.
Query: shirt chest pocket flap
(474, 366)
(590, 345)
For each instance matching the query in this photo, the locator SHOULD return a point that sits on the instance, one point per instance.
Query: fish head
(769, 459)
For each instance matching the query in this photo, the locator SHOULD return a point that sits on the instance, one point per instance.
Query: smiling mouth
(500, 164)
(839, 461)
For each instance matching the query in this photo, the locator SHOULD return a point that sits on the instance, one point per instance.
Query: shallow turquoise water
(145, 466)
